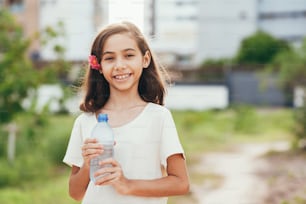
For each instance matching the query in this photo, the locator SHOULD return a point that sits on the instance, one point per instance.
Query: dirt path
(240, 184)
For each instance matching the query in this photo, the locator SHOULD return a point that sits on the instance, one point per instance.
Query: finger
(108, 169)
(111, 161)
(90, 140)
(89, 147)
(92, 146)
(89, 152)
(106, 178)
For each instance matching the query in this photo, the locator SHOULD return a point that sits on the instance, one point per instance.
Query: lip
(122, 77)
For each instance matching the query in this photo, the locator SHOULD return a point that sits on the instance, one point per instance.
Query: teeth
(122, 76)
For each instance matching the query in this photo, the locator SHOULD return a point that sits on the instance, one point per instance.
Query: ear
(146, 59)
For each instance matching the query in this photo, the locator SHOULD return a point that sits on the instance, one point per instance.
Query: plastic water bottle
(104, 134)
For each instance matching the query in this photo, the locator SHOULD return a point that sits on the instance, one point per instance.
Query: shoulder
(160, 110)
(85, 117)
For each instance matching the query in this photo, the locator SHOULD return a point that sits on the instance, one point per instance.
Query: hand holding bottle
(91, 149)
(114, 176)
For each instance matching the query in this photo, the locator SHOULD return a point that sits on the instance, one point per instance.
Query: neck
(123, 101)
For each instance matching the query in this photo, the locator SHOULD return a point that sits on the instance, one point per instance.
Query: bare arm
(175, 183)
(79, 178)
(78, 182)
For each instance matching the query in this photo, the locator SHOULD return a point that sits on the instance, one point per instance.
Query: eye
(108, 58)
(130, 55)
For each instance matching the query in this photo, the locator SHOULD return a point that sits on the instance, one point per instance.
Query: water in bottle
(104, 134)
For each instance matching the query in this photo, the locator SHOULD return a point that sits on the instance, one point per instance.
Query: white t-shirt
(142, 148)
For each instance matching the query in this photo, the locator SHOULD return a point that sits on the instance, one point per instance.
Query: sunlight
(127, 10)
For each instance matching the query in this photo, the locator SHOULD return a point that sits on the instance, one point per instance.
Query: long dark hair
(152, 83)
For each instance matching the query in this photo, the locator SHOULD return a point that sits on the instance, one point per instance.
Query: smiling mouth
(122, 76)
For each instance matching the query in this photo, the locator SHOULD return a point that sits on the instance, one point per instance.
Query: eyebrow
(110, 52)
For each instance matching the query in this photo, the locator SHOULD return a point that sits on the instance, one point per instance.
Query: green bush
(3, 142)
(57, 148)
(300, 126)
(40, 147)
(26, 167)
(8, 175)
(245, 120)
(57, 137)
(260, 48)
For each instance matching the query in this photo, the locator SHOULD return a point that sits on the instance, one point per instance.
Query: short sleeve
(73, 154)
(170, 143)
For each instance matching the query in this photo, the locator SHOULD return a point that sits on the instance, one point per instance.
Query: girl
(125, 82)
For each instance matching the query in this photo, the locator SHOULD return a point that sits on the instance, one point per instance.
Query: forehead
(119, 42)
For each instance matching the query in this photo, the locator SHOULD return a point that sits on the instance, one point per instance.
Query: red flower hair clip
(93, 62)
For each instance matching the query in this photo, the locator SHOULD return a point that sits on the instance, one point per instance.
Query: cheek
(106, 67)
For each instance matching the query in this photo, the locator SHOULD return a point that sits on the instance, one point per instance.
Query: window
(16, 6)
(274, 15)
(186, 18)
(293, 38)
(184, 3)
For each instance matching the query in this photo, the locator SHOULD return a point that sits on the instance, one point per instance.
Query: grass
(215, 130)
(202, 132)
(50, 191)
(199, 132)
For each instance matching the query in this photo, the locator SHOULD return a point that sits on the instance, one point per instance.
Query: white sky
(128, 10)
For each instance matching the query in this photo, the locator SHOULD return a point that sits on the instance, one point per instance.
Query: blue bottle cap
(102, 117)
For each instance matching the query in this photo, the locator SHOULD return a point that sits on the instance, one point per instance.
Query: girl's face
(122, 62)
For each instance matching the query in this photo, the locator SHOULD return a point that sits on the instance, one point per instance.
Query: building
(182, 32)
(174, 29)
(81, 21)
(224, 23)
(27, 14)
(283, 19)
(170, 25)
(222, 26)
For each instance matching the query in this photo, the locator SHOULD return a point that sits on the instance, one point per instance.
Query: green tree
(291, 66)
(16, 70)
(19, 76)
(58, 68)
(260, 48)
(56, 71)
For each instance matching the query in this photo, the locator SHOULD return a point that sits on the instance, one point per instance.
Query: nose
(120, 64)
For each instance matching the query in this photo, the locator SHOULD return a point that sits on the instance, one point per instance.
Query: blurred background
(237, 94)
